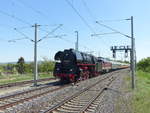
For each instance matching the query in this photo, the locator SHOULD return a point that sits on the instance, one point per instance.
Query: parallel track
(24, 82)
(14, 99)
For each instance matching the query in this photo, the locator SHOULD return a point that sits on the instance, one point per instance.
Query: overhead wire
(106, 26)
(47, 26)
(33, 9)
(25, 36)
(88, 10)
(39, 12)
(93, 17)
(66, 40)
(112, 29)
(115, 20)
(14, 40)
(25, 22)
(14, 17)
(50, 32)
(21, 20)
(104, 34)
(56, 36)
(81, 17)
(18, 19)
(24, 27)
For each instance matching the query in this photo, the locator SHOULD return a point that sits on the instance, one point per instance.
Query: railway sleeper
(90, 110)
(84, 98)
(2, 103)
(93, 105)
(74, 104)
(15, 99)
(80, 101)
(65, 110)
(7, 101)
(74, 108)
(57, 111)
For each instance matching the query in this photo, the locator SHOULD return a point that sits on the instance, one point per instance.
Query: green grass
(4, 79)
(141, 95)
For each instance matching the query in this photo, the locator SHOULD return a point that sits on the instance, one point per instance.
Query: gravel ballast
(107, 100)
(114, 99)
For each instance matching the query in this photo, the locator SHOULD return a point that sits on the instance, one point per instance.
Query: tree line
(22, 67)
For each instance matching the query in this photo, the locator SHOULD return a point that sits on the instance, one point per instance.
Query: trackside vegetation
(141, 95)
(21, 70)
(144, 65)
(11, 78)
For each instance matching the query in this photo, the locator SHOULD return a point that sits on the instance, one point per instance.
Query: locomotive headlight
(71, 70)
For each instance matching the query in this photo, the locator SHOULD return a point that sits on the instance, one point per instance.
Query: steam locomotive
(72, 65)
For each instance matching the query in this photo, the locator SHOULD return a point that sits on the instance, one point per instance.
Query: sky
(77, 15)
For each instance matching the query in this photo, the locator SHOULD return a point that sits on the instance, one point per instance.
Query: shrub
(144, 64)
(46, 66)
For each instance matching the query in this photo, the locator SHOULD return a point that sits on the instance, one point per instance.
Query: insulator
(126, 53)
(114, 54)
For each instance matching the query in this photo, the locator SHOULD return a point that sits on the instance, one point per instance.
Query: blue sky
(22, 15)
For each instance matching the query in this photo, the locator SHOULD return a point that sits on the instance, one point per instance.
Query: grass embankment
(4, 79)
(141, 95)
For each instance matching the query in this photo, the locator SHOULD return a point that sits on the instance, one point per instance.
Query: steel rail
(96, 97)
(28, 98)
(23, 92)
(51, 109)
(7, 105)
(24, 82)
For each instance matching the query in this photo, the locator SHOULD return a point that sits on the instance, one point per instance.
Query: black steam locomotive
(73, 65)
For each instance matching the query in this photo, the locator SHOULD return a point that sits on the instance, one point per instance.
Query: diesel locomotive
(72, 65)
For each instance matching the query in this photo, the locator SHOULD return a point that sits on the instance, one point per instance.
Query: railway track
(14, 99)
(21, 97)
(84, 100)
(24, 82)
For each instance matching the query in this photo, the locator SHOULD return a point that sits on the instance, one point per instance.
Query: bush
(29, 67)
(46, 66)
(144, 65)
